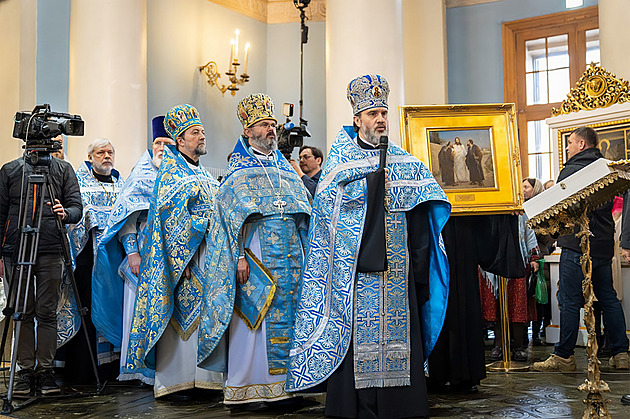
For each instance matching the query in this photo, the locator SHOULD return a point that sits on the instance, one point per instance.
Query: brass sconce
(211, 69)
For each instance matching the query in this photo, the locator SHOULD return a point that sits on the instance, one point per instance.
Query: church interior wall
(475, 58)
(17, 72)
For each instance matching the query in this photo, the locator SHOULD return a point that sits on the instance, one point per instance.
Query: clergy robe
(126, 225)
(368, 333)
(262, 205)
(166, 315)
(98, 199)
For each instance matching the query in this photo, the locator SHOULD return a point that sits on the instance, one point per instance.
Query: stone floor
(501, 395)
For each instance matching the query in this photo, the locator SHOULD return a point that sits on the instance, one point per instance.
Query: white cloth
(459, 163)
(248, 379)
(176, 365)
(176, 360)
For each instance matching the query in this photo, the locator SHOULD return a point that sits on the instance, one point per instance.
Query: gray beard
(264, 144)
(372, 138)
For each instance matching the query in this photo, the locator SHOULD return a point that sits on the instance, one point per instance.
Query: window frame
(575, 23)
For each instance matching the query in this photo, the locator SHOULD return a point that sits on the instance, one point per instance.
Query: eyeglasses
(265, 125)
(306, 157)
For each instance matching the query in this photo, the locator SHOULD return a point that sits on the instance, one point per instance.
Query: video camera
(38, 128)
(291, 136)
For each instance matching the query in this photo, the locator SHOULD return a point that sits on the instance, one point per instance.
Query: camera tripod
(29, 228)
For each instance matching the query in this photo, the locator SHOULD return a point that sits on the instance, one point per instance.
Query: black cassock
(342, 398)
(490, 241)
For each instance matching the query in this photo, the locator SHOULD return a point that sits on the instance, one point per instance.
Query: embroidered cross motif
(396, 269)
(396, 222)
(397, 318)
(279, 203)
(248, 288)
(273, 237)
(277, 315)
(369, 319)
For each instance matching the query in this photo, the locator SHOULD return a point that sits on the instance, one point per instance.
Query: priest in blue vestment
(116, 272)
(254, 264)
(100, 185)
(375, 284)
(165, 323)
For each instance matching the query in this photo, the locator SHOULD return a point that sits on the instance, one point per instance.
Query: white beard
(156, 161)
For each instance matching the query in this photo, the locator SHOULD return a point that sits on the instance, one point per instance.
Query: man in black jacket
(581, 151)
(48, 268)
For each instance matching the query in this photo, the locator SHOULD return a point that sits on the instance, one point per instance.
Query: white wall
(283, 76)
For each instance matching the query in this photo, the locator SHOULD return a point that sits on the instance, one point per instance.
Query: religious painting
(462, 158)
(472, 152)
(614, 140)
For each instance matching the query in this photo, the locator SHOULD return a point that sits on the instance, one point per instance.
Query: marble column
(424, 48)
(18, 49)
(108, 77)
(362, 37)
(614, 36)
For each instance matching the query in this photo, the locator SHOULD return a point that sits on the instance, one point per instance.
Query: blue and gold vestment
(112, 266)
(176, 228)
(98, 199)
(274, 212)
(331, 311)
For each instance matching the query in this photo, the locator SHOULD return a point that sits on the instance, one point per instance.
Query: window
(543, 57)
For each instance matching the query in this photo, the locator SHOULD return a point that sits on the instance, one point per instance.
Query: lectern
(559, 210)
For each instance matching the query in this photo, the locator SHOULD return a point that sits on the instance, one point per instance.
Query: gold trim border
(507, 196)
(562, 131)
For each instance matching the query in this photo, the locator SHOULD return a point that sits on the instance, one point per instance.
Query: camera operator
(36, 360)
(310, 167)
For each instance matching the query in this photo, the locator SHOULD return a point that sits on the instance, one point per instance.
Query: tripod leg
(10, 307)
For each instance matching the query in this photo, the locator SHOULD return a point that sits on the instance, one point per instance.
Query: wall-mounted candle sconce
(211, 69)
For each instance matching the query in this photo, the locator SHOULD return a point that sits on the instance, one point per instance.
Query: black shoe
(24, 383)
(180, 396)
(46, 382)
(520, 355)
(496, 354)
(537, 342)
(625, 399)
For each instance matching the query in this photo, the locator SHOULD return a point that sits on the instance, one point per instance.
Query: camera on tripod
(291, 136)
(39, 127)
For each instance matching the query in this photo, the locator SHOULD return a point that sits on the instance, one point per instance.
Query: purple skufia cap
(158, 127)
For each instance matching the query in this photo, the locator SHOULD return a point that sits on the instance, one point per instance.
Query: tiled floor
(514, 395)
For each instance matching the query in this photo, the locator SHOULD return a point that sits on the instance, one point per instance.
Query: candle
(246, 58)
(237, 32)
(231, 53)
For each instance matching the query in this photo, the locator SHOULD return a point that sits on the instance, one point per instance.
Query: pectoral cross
(279, 203)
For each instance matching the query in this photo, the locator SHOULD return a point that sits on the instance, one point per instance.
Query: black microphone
(382, 145)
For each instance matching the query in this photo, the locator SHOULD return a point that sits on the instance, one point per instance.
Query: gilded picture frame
(614, 140)
(472, 151)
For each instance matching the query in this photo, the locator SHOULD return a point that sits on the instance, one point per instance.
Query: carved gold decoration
(597, 88)
(275, 11)
(562, 218)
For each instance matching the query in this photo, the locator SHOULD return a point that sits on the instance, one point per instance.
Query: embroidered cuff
(130, 243)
